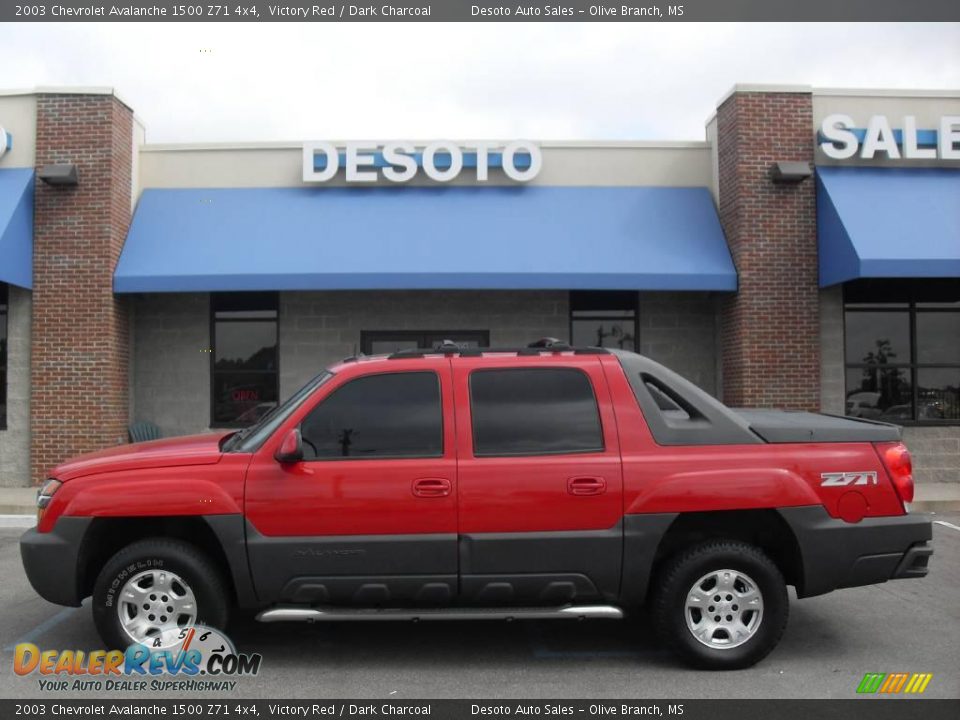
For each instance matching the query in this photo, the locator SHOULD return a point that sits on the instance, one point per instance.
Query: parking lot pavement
(830, 642)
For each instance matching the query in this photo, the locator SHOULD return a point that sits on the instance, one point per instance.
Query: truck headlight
(46, 491)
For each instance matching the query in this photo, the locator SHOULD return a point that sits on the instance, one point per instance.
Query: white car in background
(863, 405)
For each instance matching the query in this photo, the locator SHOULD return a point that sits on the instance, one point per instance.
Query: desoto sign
(400, 162)
(840, 139)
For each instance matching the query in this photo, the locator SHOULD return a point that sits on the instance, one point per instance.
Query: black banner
(865, 709)
(483, 11)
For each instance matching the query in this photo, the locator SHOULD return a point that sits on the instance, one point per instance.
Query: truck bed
(781, 426)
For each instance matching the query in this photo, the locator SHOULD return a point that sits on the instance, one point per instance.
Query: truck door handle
(431, 487)
(586, 486)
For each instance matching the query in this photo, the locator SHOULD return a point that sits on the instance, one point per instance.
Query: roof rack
(544, 345)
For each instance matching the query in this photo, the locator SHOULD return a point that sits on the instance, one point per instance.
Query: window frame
(912, 308)
(4, 357)
(334, 390)
(239, 299)
(604, 300)
(473, 418)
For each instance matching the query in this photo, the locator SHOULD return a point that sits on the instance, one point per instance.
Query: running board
(568, 612)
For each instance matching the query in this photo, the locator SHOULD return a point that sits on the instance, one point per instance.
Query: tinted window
(604, 319)
(878, 338)
(245, 382)
(533, 411)
(392, 415)
(903, 350)
(938, 337)
(378, 342)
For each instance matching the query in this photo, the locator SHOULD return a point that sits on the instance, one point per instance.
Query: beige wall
(281, 165)
(18, 116)
(927, 107)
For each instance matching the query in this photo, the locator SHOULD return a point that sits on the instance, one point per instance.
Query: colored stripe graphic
(871, 682)
(893, 683)
(918, 683)
(890, 682)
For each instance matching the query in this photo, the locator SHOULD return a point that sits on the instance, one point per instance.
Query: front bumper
(838, 554)
(51, 560)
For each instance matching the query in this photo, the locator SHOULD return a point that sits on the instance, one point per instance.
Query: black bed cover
(785, 426)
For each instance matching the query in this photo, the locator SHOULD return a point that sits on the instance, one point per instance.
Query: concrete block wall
(171, 372)
(15, 440)
(170, 369)
(680, 331)
(833, 380)
(318, 328)
(935, 452)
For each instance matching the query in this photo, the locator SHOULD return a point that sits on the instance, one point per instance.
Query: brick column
(79, 363)
(770, 328)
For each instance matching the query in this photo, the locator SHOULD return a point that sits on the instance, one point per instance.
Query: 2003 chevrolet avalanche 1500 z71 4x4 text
(540, 482)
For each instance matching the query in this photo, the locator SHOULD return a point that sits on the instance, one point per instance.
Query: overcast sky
(213, 82)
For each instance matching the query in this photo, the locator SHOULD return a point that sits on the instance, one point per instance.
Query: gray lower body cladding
(51, 560)
(537, 568)
(838, 554)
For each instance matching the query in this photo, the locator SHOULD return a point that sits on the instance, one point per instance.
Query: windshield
(251, 438)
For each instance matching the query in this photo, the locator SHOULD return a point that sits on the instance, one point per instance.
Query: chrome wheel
(153, 601)
(724, 609)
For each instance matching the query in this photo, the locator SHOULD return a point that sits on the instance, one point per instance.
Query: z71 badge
(840, 479)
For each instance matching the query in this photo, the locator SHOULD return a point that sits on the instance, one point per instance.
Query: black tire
(195, 568)
(679, 575)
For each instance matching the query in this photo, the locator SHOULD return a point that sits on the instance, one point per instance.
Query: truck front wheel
(153, 586)
(721, 605)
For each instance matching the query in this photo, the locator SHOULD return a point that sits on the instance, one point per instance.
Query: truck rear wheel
(156, 585)
(721, 605)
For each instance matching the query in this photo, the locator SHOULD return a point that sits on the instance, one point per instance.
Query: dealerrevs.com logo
(180, 659)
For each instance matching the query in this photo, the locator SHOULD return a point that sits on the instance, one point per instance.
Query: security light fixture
(60, 174)
(790, 172)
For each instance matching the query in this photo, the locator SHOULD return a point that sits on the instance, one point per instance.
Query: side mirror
(291, 449)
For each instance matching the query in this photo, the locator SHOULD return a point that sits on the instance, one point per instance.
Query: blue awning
(16, 226)
(888, 222)
(425, 237)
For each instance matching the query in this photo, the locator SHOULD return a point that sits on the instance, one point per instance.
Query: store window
(245, 381)
(394, 415)
(381, 342)
(3, 356)
(605, 319)
(902, 350)
(533, 411)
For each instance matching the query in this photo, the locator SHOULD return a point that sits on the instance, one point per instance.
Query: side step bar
(312, 614)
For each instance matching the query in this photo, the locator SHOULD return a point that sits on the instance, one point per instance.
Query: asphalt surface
(830, 642)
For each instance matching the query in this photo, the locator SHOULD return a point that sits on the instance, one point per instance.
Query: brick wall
(770, 327)
(79, 374)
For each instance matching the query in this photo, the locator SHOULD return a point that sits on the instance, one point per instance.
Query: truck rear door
(540, 481)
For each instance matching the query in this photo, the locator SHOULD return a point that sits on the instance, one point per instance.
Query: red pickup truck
(539, 482)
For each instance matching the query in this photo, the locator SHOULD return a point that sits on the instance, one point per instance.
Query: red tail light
(896, 458)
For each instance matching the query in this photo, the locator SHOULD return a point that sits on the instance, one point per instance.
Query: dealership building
(804, 255)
